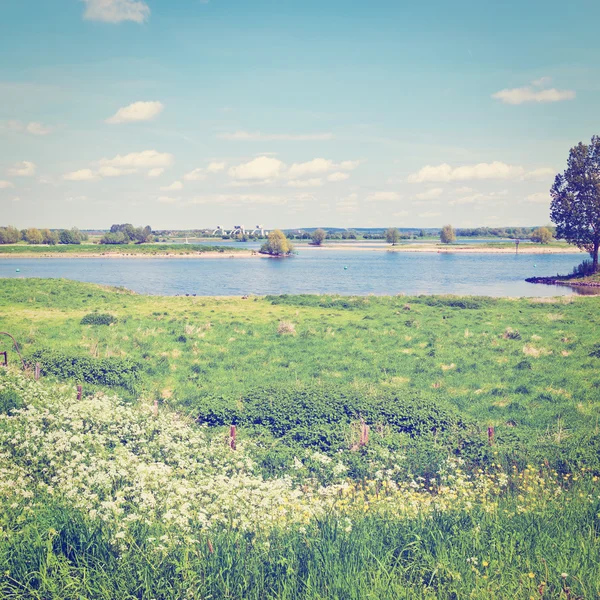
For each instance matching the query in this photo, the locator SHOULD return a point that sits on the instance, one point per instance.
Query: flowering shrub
(99, 479)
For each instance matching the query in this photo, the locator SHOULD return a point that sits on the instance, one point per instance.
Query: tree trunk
(595, 257)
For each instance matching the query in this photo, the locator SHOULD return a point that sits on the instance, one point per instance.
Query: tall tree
(33, 236)
(392, 236)
(575, 206)
(447, 235)
(318, 236)
(277, 244)
(542, 235)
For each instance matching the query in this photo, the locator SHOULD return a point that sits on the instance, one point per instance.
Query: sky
(198, 113)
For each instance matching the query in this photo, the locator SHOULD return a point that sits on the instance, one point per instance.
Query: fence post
(491, 436)
(364, 435)
(155, 408)
(232, 434)
(37, 371)
(79, 390)
(5, 355)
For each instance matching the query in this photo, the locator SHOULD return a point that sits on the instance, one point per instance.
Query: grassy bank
(363, 465)
(107, 250)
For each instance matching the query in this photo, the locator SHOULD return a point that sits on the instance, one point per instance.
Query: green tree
(392, 236)
(318, 236)
(69, 236)
(542, 235)
(575, 205)
(118, 237)
(9, 235)
(49, 237)
(447, 235)
(277, 244)
(33, 236)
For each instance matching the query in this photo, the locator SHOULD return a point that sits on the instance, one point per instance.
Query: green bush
(10, 400)
(319, 417)
(98, 319)
(113, 371)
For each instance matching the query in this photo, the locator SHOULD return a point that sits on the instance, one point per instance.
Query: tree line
(124, 233)
(50, 237)
(127, 233)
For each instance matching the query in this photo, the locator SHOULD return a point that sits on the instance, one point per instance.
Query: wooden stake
(232, 434)
(155, 408)
(37, 371)
(491, 436)
(364, 435)
(79, 390)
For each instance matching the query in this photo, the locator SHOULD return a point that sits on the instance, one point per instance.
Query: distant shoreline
(242, 253)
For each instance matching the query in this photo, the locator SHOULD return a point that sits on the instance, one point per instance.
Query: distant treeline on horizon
(127, 233)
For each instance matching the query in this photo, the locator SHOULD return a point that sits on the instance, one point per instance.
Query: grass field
(107, 249)
(363, 465)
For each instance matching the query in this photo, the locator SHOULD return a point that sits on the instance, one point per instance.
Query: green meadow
(107, 249)
(384, 447)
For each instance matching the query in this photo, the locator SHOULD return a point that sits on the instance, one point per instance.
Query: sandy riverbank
(452, 249)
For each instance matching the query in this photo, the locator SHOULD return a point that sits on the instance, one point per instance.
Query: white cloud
(237, 199)
(262, 168)
(240, 136)
(383, 197)
(81, 175)
(156, 172)
(175, 186)
(195, 175)
(431, 194)
(312, 167)
(116, 11)
(110, 171)
(542, 81)
(6, 184)
(136, 112)
(216, 167)
(303, 183)
(348, 165)
(338, 176)
(167, 199)
(430, 215)
(22, 169)
(201, 174)
(444, 172)
(401, 213)
(36, 128)
(539, 198)
(542, 173)
(533, 93)
(148, 159)
(479, 198)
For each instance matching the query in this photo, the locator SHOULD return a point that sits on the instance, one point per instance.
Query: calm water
(313, 271)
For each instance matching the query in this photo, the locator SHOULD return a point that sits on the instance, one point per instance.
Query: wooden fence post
(37, 371)
(155, 408)
(491, 436)
(79, 391)
(232, 434)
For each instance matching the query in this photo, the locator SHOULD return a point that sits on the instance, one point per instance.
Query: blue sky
(186, 113)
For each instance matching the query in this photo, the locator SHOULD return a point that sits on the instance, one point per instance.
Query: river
(313, 271)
